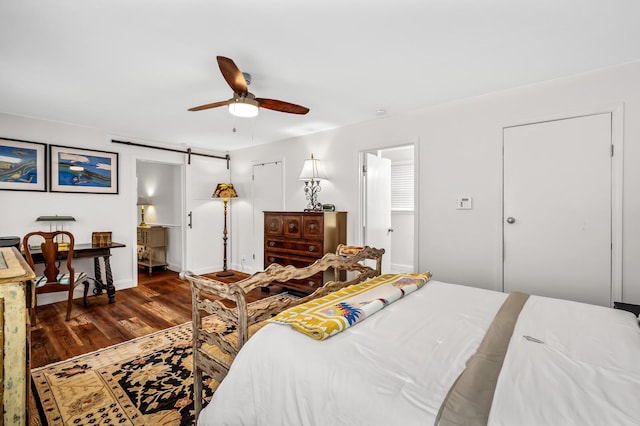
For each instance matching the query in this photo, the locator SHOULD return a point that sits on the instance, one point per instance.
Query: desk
(97, 252)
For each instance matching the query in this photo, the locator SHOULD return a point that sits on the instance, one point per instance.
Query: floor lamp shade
(225, 191)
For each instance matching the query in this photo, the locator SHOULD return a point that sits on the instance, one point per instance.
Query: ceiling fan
(244, 103)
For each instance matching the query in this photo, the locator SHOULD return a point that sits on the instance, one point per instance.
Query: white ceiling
(134, 67)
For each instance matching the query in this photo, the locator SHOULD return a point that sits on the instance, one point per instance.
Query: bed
(428, 359)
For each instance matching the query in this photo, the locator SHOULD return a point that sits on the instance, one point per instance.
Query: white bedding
(397, 366)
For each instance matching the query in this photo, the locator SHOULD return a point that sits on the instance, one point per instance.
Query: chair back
(50, 252)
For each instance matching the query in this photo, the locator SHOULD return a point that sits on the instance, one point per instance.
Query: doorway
(160, 185)
(558, 209)
(389, 205)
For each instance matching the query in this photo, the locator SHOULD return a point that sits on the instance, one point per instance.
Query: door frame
(179, 196)
(617, 161)
(255, 255)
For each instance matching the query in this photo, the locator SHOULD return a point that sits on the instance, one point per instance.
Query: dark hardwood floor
(161, 300)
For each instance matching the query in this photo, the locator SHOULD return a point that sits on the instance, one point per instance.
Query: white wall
(460, 154)
(93, 212)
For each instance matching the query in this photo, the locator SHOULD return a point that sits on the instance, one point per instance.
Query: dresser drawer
(313, 227)
(307, 285)
(297, 247)
(285, 259)
(292, 226)
(272, 224)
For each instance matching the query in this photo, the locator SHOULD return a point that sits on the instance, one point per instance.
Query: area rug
(145, 381)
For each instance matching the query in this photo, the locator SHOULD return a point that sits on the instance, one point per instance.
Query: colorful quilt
(323, 317)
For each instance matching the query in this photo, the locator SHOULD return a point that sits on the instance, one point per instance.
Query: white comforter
(397, 366)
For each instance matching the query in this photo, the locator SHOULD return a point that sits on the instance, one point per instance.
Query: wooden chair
(215, 344)
(54, 280)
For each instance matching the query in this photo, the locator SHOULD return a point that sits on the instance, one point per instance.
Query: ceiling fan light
(244, 107)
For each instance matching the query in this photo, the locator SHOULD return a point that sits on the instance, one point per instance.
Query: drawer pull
(312, 226)
(312, 283)
(292, 225)
(272, 259)
(312, 248)
(272, 243)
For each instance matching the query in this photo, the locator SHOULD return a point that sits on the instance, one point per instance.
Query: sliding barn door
(205, 216)
(557, 209)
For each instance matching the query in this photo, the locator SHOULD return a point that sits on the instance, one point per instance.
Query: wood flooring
(161, 300)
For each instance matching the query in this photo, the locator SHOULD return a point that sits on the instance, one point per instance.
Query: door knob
(511, 220)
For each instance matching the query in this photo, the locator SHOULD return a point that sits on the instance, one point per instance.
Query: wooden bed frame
(225, 329)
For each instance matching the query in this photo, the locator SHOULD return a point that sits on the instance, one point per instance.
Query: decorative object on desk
(55, 280)
(143, 202)
(59, 226)
(23, 165)
(311, 175)
(225, 191)
(83, 170)
(101, 239)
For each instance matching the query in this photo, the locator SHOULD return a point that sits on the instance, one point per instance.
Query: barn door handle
(511, 220)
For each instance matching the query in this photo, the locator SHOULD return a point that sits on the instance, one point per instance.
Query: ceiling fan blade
(232, 75)
(207, 106)
(282, 106)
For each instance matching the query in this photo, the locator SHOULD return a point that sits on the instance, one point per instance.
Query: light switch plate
(464, 203)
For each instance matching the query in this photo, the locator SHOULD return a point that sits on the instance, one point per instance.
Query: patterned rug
(145, 381)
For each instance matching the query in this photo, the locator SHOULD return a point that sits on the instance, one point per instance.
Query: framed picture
(83, 170)
(23, 165)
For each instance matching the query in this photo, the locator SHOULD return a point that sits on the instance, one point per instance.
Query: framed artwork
(83, 170)
(23, 165)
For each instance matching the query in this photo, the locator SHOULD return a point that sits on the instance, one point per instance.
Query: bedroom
(459, 152)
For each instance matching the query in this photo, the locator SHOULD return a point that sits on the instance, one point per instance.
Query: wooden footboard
(220, 330)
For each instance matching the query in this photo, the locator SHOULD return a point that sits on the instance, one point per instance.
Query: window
(402, 186)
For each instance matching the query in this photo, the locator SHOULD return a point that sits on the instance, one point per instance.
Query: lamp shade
(311, 170)
(244, 107)
(225, 190)
(143, 201)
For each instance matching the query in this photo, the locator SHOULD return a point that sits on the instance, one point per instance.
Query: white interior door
(268, 195)
(205, 216)
(377, 217)
(557, 209)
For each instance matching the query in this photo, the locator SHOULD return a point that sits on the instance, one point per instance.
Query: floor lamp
(225, 191)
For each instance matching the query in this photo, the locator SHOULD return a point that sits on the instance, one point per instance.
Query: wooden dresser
(16, 296)
(301, 238)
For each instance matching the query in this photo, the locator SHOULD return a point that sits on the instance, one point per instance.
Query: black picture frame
(23, 165)
(81, 170)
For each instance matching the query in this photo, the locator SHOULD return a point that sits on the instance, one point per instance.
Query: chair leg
(86, 292)
(197, 391)
(69, 302)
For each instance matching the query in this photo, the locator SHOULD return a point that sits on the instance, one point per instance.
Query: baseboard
(401, 269)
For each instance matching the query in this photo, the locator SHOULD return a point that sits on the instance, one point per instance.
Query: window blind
(402, 186)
